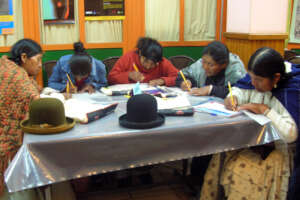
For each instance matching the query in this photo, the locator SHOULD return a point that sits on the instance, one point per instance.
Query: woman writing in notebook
(78, 73)
(211, 73)
(271, 88)
(145, 65)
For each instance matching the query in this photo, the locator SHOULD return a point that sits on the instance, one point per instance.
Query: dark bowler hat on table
(46, 116)
(141, 113)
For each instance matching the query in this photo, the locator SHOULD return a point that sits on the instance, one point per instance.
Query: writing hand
(186, 86)
(203, 91)
(136, 76)
(228, 103)
(156, 82)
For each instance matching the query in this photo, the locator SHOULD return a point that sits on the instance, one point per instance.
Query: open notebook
(83, 110)
(215, 108)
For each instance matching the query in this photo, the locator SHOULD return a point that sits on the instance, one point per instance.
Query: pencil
(68, 88)
(183, 77)
(135, 67)
(230, 91)
(260, 135)
(70, 81)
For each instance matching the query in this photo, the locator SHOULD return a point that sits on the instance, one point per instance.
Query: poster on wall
(104, 9)
(6, 17)
(58, 11)
(295, 28)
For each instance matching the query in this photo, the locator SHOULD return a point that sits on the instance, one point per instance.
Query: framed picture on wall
(58, 11)
(295, 27)
(6, 17)
(104, 9)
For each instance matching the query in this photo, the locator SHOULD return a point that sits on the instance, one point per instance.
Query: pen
(260, 135)
(67, 88)
(183, 77)
(232, 100)
(135, 67)
(70, 81)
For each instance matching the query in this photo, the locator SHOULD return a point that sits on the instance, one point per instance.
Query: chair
(289, 54)
(48, 67)
(181, 61)
(110, 62)
(295, 60)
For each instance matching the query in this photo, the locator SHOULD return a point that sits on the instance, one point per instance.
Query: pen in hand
(231, 97)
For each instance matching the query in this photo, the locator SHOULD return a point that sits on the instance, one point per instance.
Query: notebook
(215, 108)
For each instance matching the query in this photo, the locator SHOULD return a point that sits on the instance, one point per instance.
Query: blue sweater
(58, 79)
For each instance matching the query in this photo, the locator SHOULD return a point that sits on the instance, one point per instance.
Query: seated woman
(145, 65)
(260, 172)
(87, 74)
(211, 73)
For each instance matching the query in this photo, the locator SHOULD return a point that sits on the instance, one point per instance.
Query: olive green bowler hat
(47, 116)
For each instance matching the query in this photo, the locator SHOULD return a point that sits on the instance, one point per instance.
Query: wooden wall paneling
(31, 23)
(133, 24)
(245, 45)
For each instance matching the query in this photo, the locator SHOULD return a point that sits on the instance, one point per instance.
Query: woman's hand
(73, 90)
(136, 76)
(228, 103)
(156, 82)
(87, 88)
(185, 86)
(256, 108)
(203, 91)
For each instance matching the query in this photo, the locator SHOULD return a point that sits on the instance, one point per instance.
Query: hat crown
(142, 108)
(47, 110)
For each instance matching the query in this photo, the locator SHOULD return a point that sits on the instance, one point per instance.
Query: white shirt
(279, 116)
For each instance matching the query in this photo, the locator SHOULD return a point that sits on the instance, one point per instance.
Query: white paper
(261, 119)
(172, 102)
(128, 87)
(215, 108)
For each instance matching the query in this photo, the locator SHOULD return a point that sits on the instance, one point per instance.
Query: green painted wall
(194, 52)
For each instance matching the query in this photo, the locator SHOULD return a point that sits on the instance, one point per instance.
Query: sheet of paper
(172, 102)
(128, 87)
(261, 119)
(215, 108)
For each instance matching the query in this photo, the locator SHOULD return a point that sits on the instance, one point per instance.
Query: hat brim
(123, 121)
(44, 130)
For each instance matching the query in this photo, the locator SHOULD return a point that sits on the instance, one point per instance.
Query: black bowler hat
(141, 113)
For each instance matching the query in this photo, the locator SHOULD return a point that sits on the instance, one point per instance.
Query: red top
(119, 73)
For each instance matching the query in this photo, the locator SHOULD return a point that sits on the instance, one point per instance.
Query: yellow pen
(183, 77)
(70, 81)
(68, 88)
(230, 91)
(135, 67)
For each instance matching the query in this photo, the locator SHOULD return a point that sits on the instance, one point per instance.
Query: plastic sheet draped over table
(103, 146)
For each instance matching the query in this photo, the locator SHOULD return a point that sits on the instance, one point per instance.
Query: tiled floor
(167, 184)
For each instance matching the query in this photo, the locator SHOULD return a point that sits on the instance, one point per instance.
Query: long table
(104, 146)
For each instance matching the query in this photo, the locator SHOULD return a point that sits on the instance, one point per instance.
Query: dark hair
(27, 46)
(81, 61)
(266, 62)
(150, 49)
(218, 51)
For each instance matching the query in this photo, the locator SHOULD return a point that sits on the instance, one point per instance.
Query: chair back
(295, 60)
(289, 54)
(110, 62)
(48, 67)
(181, 61)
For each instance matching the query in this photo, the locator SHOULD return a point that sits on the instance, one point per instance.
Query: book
(86, 112)
(84, 108)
